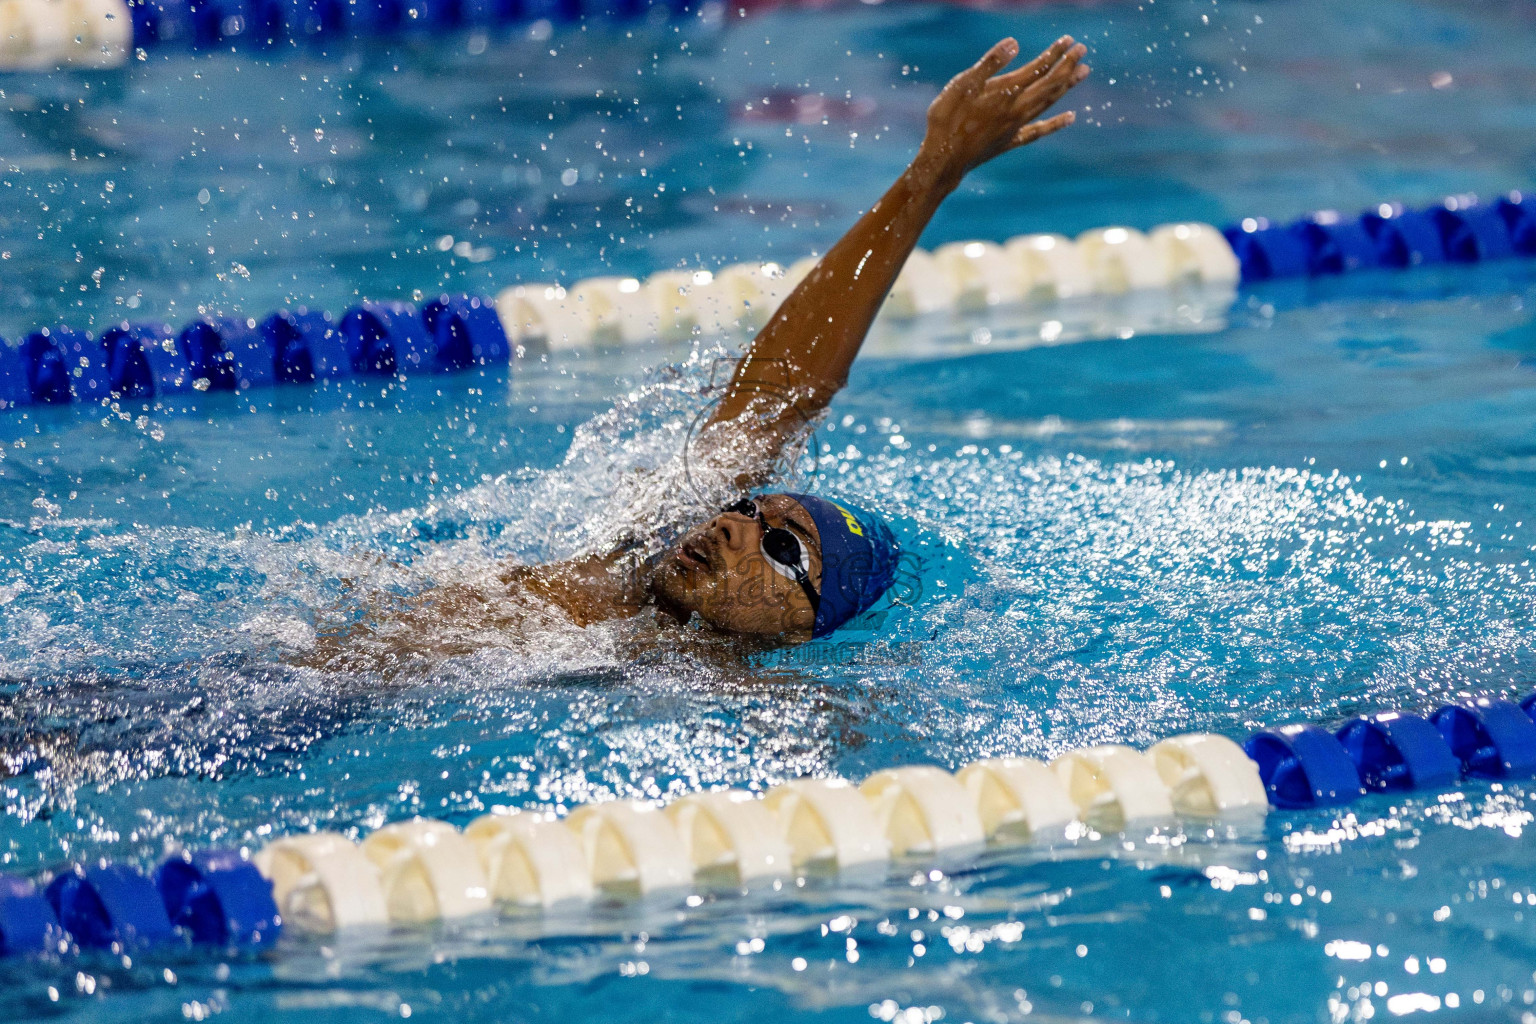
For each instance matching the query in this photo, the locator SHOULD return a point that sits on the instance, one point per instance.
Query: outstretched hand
(812, 338)
(981, 113)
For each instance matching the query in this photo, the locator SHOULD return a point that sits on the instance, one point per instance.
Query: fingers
(1048, 59)
(1040, 129)
(1061, 72)
(1035, 100)
(993, 61)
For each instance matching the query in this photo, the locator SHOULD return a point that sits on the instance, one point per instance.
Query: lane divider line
(422, 870)
(146, 361)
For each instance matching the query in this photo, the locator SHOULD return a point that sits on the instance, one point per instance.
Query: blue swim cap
(858, 559)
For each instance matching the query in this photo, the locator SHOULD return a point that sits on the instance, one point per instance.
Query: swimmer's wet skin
(840, 559)
(797, 566)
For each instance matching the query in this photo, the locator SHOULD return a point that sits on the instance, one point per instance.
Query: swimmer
(786, 565)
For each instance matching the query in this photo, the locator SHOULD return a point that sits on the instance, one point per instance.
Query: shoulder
(588, 589)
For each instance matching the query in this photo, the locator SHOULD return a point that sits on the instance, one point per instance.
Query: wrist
(933, 174)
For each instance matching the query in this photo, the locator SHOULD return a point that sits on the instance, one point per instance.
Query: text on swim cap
(853, 524)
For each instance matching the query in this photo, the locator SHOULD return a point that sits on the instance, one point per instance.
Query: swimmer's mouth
(692, 553)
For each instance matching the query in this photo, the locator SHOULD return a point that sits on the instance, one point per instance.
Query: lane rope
(422, 870)
(40, 35)
(145, 362)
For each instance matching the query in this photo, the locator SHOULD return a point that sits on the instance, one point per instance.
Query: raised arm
(801, 358)
(790, 373)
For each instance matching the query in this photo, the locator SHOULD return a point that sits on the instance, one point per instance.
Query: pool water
(1320, 502)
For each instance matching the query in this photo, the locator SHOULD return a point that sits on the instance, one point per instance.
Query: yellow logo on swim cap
(853, 524)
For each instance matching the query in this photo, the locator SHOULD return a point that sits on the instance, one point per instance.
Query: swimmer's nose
(732, 532)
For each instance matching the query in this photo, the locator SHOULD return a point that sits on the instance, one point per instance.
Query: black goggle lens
(780, 545)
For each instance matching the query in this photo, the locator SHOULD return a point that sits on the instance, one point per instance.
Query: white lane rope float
(1035, 270)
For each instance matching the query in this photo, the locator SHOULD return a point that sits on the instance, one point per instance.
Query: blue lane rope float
(27, 922)
(1493, 739)
(386, 339)
(1458, 230)
(1304, 766)
(1395, 750)
(145, 361)
(218, 897)
(204, 24)
(305, 347)
(466, 331)
(227, 352)
(108, 905)
(54, 366)
(421, 870)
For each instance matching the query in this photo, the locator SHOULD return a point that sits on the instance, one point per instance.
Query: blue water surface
(1303, 502)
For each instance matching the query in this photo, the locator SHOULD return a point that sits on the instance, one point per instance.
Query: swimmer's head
(778, 565)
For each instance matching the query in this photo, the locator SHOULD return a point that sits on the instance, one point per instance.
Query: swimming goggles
(785, 554)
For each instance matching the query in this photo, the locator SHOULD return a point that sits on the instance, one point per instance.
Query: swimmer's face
(718, 572)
